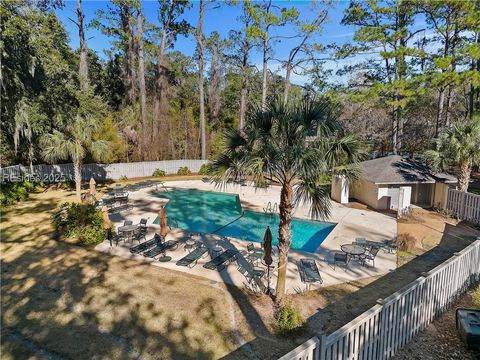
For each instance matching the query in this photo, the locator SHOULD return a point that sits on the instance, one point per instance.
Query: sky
(222, 19)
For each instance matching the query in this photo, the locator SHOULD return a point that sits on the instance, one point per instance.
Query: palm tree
(295, 145)
(458, 145)
(74, 144)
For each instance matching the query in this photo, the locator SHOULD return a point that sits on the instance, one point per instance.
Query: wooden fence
(57, 173)
(384, 329)
(464, 205)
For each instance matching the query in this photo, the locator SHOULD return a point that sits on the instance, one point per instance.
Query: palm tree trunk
(464, 176)
(83, 68)
(78, 178)
(284, 237)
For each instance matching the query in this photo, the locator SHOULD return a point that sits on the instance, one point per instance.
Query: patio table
(128, 230)
(352, 250)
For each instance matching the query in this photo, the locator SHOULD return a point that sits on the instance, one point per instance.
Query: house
(393, 182)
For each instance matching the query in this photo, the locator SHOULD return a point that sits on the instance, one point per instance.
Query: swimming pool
(222, 214)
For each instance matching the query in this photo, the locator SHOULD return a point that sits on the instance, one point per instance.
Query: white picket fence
(384, 329)
(464, 205)
(61, 172)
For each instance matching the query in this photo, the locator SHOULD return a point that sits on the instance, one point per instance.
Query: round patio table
(190, 244)
(352, 250)
(128, 230)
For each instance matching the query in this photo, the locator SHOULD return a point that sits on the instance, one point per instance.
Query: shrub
(288, 320)
(159, 173)
(13, 192)
(81, 222)
(406, 242)
(206, 169)
(184, 170)
(123, 178)
(476, 296)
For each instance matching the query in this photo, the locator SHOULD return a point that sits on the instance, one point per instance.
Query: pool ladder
(270, 210)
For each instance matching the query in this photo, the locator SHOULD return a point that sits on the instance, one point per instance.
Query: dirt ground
(440, 340)
(64, 301)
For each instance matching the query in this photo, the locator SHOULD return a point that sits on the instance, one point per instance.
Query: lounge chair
(191, 259)
(146, 245)
(309, 271)
(222, 260)
(251, 273)
(161, 248)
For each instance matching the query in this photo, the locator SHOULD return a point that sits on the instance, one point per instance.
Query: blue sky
(222, 19)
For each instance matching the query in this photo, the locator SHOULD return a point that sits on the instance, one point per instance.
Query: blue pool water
(222, 214)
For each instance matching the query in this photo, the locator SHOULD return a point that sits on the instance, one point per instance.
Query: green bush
(288, 320)
(81, 222)
(206, 169)
(159, 173)
(184, 170)
(13, 192)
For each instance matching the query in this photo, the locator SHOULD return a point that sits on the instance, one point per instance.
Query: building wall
(440, 195)
(366, 192)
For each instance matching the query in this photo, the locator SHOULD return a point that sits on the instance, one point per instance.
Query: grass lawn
(72, 302)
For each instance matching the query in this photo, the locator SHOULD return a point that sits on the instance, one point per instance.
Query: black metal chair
(340, 258)
(127, 222)
(370, 256)
(138, 234)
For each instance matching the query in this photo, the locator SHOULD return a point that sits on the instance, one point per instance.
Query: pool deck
(351, 223)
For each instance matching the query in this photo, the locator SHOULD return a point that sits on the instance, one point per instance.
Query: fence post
(320, 353)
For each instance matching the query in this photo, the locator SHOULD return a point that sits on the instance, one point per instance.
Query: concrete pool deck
(351, 223)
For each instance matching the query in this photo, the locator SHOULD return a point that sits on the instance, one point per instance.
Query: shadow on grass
(64, 301)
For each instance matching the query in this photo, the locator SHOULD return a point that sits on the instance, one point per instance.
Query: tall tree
(273, 146)
(385, 28)
(217, 50)
(243, 43)
(118, 21)
(445, 18)
(141, 80)
(83, 67)
(266, 16)
(305, 31)
(201, 69)
(171, 26)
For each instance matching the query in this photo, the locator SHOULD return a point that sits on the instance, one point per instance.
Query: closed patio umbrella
(93, 189)
(107, 224)
(267, 254)
(163, 222)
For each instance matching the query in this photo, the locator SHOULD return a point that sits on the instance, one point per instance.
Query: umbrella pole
(268, 280)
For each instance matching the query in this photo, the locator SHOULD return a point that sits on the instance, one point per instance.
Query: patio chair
(117, 238)
(138, 234)
(127, 223)
(389, 246)
(143, 226)
(340, 258)
(191, 259)
(221, 261)
(161, 248)
(254, 254)
(309, 271)
(370, 256)
(157, 239)
(361, 242)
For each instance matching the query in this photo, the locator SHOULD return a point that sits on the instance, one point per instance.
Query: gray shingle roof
(394, 169)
